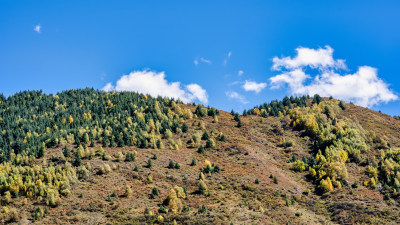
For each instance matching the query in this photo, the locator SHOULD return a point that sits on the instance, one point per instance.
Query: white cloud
(315, 58)
(108, 87)
(201, 60)
(234, 83)
(363, 87)
(236, 96)
(38, 28)
(240, 73)
(198, 92)
(253, 86)
(227, 58)
(155, 84)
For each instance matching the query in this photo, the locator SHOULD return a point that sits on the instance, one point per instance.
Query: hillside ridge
(93, 157)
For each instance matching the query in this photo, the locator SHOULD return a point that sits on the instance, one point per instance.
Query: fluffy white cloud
(320, 58)
(236, 96)
(240, 73)
(363, 87)
(37, 28)
(108, 87)
(198, 92)
(201, 60)
(155, 84)
(253, 86)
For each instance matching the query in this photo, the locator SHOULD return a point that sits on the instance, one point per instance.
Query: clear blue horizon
(228, 54)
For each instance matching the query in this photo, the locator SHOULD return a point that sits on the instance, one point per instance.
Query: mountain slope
(242, 174)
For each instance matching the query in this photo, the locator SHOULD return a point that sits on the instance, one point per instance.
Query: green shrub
(162, 209)
(171, 164)
(194, 163)
(149, 164)
(202, 209)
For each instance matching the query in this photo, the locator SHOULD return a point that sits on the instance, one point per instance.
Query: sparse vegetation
(57, 155)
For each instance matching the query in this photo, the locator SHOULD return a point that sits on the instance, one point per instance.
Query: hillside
(91, 157)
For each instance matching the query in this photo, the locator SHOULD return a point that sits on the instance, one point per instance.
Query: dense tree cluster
(31, 121)
(334, 142)
(276, 108)
(19, 177)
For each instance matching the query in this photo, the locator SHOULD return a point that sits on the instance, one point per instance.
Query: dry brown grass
(249, 153)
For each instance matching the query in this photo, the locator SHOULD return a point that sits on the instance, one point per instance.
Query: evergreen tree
(171, 164)
(193, 162)
(185, 127)
(317, 99)
(341, 105)
(78, 160)
(205, 136)
(66, 152)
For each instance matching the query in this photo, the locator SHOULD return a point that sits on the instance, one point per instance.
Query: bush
(119, 157)
(66, 152)
(201, 149)
(202, 187)
(128, 191)
(83, 173)
(171, 164)
(205, 136)
(210, 143)
(105, 169)
(222, 138)
(149, 164)
(13, 215)
(173, 199)
(201, 176)
(326, 185)
(194, 163)
(155, 192)
(299, 165)
(130, 157)
(202, 209)
(162, 209)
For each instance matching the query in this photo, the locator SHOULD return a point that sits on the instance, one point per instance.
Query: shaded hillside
(138, 160)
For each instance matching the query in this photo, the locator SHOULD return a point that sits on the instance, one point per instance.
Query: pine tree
(223, 138)
(205, 136)
(201, 149)
(341, 105)
(66, 152)
(149, 164)
(239, 123)
(317, 99)
(171, 164)
(41, 151)
(78, 160)
(193, 162)
(185, 128)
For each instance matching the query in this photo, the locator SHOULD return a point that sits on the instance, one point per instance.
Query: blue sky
(54, 46)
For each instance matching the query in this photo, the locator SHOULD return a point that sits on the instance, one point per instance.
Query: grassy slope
(250, 152)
